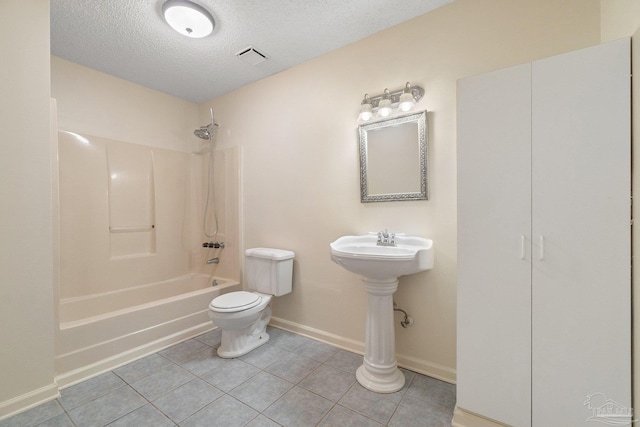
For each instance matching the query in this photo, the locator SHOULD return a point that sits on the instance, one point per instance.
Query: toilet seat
(234, 302)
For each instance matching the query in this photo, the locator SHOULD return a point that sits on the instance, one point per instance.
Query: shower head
(206, 132)
(203, 132)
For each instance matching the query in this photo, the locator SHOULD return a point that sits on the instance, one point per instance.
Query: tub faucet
(215, 260)
(215, 245)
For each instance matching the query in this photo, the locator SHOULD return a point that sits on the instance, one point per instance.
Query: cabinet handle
(522, 241)
(541, 256)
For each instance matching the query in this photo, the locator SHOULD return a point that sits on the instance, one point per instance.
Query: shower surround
(132, 270)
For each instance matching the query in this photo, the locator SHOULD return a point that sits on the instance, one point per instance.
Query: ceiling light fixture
(383, 105)
(188, 18)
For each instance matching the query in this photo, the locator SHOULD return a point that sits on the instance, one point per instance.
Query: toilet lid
(235, 301)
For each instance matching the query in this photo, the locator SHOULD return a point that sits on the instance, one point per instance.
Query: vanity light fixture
(406, 102)
(365, 109)
(383, 105)
(188, 18)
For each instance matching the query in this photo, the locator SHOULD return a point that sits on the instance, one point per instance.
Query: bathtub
(100, 332)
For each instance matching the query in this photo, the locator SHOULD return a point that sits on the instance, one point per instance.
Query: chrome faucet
(386, 239)
(215, 260)
(215, 245)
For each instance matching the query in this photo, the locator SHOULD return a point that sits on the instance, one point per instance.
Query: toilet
(243, 316)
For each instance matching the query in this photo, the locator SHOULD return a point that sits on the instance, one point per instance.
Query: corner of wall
(26, 252)
(618, 18)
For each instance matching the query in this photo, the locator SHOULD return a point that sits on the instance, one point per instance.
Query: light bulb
(365, 109)
(384, 107)
(406, 102)
(406, 99)
(365, 113)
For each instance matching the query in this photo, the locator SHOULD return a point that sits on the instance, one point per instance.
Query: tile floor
(290, 381)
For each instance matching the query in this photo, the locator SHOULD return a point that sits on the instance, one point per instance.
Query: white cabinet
(544, 239)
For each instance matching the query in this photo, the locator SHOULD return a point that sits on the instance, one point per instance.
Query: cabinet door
(494, 270)
(581, 233)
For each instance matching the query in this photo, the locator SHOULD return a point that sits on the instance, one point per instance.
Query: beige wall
(98, 104)
(619, 18)
(298, 134)
(26, 275)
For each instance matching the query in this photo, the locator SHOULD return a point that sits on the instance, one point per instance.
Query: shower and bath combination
(208, 133)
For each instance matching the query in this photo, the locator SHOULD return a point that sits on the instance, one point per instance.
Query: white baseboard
(421, 366)
(29, 400)
(462, 418)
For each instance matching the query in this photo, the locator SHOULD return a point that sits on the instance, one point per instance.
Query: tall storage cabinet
(544, 239)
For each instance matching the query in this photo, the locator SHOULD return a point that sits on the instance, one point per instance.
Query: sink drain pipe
(407, 321)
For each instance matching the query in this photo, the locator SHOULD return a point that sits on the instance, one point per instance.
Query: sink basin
(361, 255)
(380, 266)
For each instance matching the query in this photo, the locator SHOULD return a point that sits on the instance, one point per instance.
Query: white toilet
(243, 316)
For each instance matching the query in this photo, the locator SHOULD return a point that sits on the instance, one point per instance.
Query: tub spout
(215, 260)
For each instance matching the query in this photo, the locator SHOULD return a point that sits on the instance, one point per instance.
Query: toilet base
(237, 342)
(243, 345)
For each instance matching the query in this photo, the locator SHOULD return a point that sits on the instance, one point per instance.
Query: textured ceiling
(129, 38)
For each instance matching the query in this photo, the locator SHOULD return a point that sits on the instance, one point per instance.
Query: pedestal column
(380, 372)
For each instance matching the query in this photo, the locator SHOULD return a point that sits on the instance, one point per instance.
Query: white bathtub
(100, 332)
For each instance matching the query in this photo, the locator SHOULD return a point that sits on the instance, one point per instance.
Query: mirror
(393, 159)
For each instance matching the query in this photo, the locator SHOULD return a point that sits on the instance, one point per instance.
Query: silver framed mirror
(393, 159)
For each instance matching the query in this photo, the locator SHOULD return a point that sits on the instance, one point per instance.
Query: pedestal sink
(380, 261)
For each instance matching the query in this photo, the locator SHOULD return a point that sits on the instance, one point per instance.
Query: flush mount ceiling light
(188, 18)
(383, 105)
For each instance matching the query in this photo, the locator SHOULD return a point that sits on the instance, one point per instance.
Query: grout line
(289, 351)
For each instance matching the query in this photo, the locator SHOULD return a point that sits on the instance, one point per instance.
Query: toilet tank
(269, 271)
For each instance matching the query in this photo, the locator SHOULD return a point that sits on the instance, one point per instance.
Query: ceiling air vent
(251, 56)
